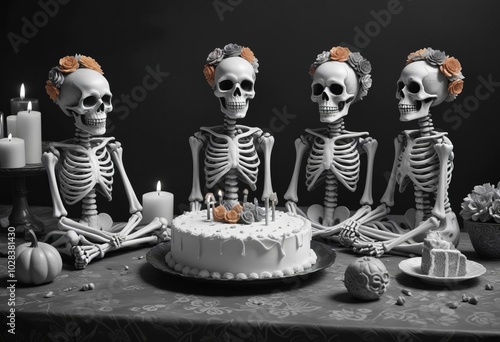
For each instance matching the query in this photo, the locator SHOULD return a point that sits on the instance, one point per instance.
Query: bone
(301, 147)
(444, 152)
(388, 197)
(67, 224)
(134, 204)
(370, 148)
(196, 144)
(267, 142)
(431, 223)
(49, 161)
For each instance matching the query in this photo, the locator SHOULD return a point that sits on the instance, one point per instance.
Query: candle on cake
(20, 103)
(12, 152)
(29, 128)
(157, 204)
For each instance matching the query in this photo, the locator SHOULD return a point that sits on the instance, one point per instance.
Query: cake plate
(325, 257)
(412, 267)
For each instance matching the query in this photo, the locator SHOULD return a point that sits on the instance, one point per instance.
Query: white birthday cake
(213, 249)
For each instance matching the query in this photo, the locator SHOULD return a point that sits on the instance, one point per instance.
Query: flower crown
(449, 67)
(361, 66)
(67, 65)
(230, 50)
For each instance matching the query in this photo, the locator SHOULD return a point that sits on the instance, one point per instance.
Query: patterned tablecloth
(133, 301)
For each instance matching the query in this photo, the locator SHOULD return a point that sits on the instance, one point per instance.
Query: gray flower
(322, 58)
(247, 217)
(365, 67)
(355, 59)
(56, 77)
(232, 50)
(215, 57)
(435, 57)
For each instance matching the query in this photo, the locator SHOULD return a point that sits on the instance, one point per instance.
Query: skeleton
(424, 158)
(84, 167)
(333, 152)
(230, 150)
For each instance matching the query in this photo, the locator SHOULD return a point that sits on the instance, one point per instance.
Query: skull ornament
(234, 86)
(86, 96)
(420, 87)
(366, 278)
(334, 87)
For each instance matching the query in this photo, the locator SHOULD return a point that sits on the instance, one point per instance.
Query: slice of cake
(441, 259)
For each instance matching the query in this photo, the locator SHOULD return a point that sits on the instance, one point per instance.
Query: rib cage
(82, 169)
(339, 155)
(224, 153)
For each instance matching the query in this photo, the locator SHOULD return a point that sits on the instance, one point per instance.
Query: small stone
(406, 292)
(126, 267)
(85, 287)
(91, 286)
(49, 294)
(489, 287)
(401, 300)
(141, 257)
(453, 305)
(473, 300)
(465, 298)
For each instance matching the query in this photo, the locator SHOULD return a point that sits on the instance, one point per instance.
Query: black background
(128, 38)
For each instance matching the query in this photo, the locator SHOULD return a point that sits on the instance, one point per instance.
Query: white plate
(412, 267)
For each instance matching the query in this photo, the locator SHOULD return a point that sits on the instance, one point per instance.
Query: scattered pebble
(465, 298)
(141, 257)
(49, 294)
(401, 300)
(406, 292)
(453, 305)
(126, 267)
(489, 287)
(86, 287)
(473, 300)
(71, 288)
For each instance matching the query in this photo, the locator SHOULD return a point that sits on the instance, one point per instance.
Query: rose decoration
(495, 210)
(238, 208)
(435, 57)
(68, 64)
(450, 67)
(322, 58)
(231, 216)
(209, 72)
(339, 53)
(51, 90)
(232, 50)
(90, 63)
(56, 77)
(416, 56)
(215, 57)
(219, 213)
(259, 213)
(455, 87)
(247, 217)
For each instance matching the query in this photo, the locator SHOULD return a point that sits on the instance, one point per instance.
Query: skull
(234, 86)
(334, 87)
(420, 87)
(86, 96)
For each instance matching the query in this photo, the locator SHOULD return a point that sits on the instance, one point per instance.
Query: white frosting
(240, 251)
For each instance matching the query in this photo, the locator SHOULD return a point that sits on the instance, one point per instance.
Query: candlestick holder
(21, 217)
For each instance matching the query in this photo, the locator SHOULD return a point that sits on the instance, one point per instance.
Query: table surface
(133, 301)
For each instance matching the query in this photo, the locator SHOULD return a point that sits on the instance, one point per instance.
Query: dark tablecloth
(133, 301)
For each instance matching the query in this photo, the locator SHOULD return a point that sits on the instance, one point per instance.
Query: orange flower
(312, 70)
(418, 53)
(238, 208)
(451, 67)
(339, 53)
(51, 90)
(232, 216)
(90, 63)
(219, 213)
(68, 64)
(455, 87)
(247, 54)
(209, 72)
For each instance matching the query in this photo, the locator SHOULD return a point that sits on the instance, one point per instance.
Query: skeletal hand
(349, 233)
(195, 206)
(375, 249)
(291, 207)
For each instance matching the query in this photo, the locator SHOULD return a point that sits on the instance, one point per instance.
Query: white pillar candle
(12, 125)
(29, 128)
(157, 204)
(12, 152)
